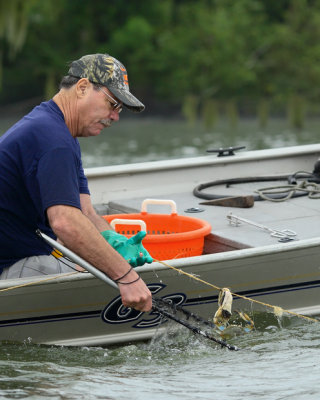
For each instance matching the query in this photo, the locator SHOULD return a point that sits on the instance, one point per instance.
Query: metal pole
(78, 260)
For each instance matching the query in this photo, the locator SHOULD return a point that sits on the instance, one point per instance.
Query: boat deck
(122, 190)
(300, 214)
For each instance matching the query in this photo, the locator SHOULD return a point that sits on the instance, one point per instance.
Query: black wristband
(121, 277)
(129, 283)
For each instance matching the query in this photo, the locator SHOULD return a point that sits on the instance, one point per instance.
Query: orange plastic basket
(168, 236)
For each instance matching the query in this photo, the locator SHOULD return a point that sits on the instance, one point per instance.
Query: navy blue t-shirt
(40, 166)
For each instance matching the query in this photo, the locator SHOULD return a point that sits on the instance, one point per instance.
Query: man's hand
(131, 249)
(135, 295)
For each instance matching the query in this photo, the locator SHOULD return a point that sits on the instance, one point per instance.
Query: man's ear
(82, 87)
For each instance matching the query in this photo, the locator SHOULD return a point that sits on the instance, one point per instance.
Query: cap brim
(128, 99)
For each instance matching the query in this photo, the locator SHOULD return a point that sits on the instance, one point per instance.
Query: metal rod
(78, 260)
(100, 275)
(284, 234)
(194, 328)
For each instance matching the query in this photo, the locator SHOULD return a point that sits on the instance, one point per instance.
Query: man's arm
(81, 236)
(86, 206)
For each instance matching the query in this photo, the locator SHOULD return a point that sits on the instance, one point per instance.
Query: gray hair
(68, 81)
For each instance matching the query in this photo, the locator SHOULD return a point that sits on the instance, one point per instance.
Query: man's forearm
(80, 235)
(86, 206)
(100, 223)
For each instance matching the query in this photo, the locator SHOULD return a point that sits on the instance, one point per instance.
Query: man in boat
(43, 186)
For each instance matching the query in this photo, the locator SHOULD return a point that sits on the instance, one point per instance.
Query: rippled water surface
(273, 363)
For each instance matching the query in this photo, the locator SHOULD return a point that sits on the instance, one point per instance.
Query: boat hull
(82, 310)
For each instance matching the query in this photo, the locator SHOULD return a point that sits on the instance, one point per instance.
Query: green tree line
(202, 57)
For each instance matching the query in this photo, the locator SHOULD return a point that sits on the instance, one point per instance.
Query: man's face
(95, 111)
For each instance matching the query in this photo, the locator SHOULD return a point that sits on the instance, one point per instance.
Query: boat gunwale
(182, 263)
(191, 162)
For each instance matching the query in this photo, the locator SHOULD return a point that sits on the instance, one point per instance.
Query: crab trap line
(276, 309)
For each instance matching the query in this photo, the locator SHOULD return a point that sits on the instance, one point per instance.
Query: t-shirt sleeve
(83, 182)
(58, 179)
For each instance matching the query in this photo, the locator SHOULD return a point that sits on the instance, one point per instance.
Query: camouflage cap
(107, 71)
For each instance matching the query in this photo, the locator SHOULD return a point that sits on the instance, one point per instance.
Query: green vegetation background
(198, 57)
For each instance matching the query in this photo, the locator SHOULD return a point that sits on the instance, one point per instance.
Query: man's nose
(115, 116)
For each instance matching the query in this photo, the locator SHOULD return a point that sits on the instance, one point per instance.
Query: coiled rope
(273, 193)
(299, 184)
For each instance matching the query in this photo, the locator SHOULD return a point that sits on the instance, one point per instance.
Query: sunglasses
(117, 107)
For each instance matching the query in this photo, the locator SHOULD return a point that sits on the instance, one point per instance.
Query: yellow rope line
(275, 308)
(35, 282)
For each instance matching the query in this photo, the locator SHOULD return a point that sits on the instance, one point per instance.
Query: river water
(276, 361)
(159, 139)
(273, 363)
(138, 139)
